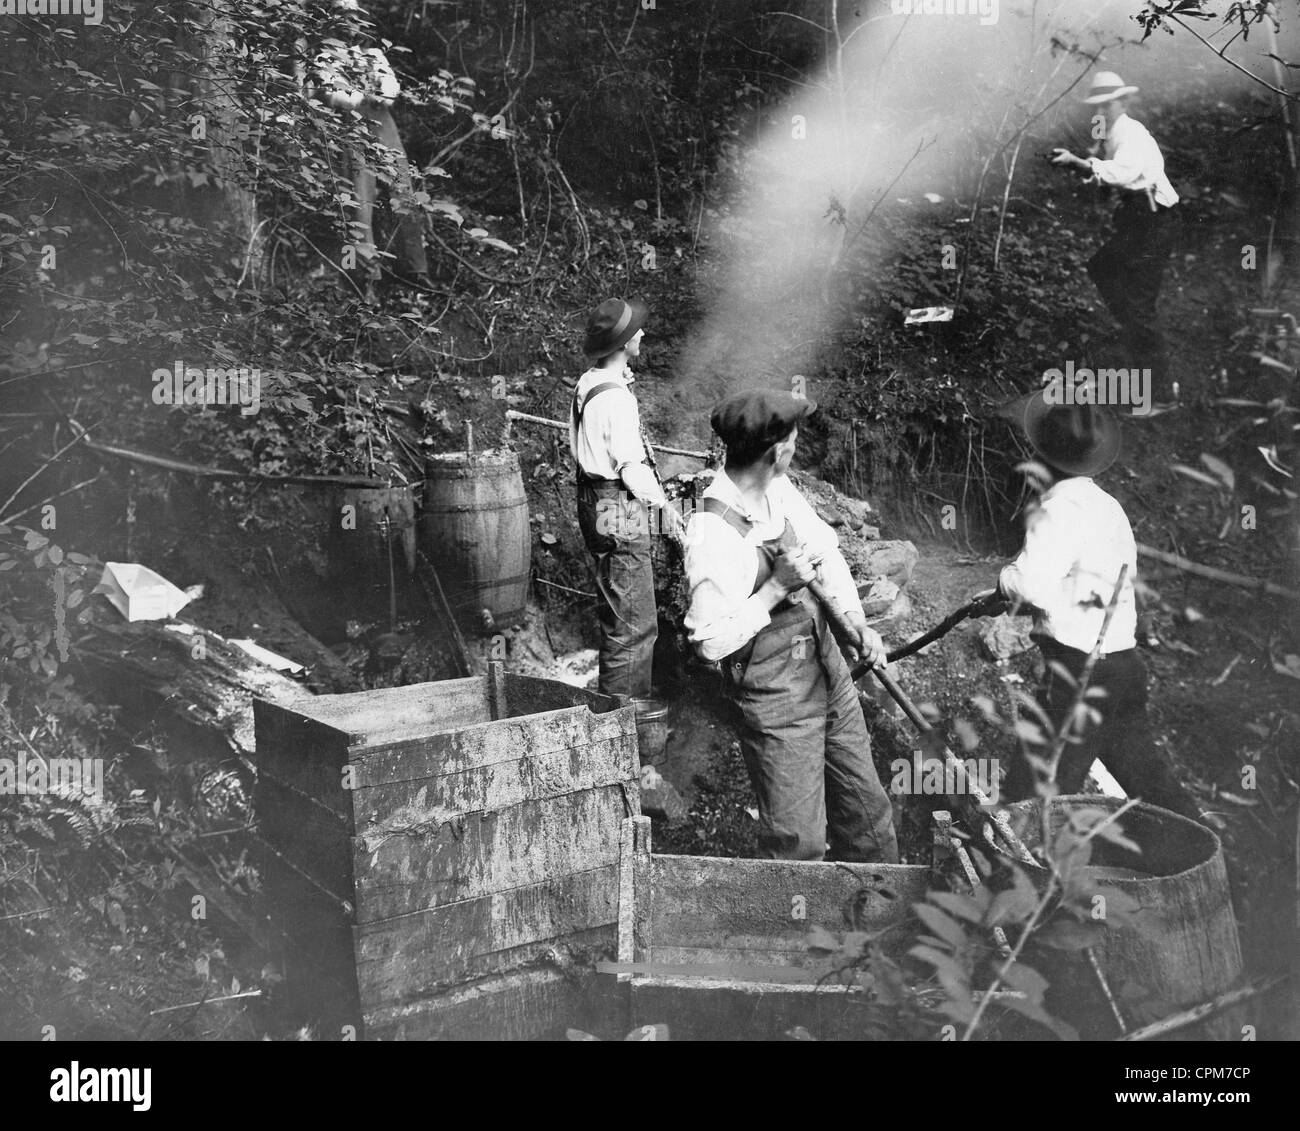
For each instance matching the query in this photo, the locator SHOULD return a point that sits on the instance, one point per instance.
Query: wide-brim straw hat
(1106, 87)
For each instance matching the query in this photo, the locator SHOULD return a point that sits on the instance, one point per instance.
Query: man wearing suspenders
(752, 545)
(616, 488)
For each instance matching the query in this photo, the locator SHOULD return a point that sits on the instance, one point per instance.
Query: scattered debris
(928, 314)
(138, 593)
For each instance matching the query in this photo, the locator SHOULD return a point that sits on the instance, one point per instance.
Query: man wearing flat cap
(1077, 540)
(1128, 268)
(752, 546)
(616, 489)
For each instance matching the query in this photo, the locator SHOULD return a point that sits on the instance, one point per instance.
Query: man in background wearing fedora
(1128, 268)
(1077, 540)
(752, 546)
(616, 488)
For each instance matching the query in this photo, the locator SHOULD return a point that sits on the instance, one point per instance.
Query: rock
(879, 594)
(659, 798)
(1006, 636)
(892, 560)
(893, 618)
(829, 515)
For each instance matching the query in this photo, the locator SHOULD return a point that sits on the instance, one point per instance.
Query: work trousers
(806, 746)
(617, 532)
(1128, 271)
(1123, 740)
(408, 234)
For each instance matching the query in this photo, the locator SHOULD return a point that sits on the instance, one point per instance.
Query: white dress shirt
(724, 613)
(1076, 541)
(1133, 161)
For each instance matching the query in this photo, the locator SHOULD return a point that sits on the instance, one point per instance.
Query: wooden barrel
(366, 523)
(474, 528)
(1181, 948)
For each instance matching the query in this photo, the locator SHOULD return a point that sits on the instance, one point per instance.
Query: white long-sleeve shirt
(721, 566)
(1076, 541)
(1133, 161)
(608, 443)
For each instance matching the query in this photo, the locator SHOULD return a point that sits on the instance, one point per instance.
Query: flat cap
(759, 417)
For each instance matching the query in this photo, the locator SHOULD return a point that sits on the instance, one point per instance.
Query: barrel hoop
(501, 583)
(474, 508)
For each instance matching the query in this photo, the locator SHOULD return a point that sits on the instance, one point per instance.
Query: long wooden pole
(1214, 574)
(528, 418)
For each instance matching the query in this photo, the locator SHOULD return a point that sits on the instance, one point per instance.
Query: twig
(205, 1001)
(1199, 1012)
(28, 510)
(77, 439)
(557, 585)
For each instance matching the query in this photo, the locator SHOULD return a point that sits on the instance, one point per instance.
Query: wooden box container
(436, 853)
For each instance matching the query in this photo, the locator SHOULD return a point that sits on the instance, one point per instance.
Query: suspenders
(576, 413)
(768, 551)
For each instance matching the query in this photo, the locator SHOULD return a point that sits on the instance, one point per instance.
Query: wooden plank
(308, 835)
(316, 952)
(497, 786)
(709, 902)
(486, 745)
(521, 1006)
(643, 887)
(479, 853)
(527, 695)
(387, 715)
(302, 753)
(696, 1010)
(406, 956)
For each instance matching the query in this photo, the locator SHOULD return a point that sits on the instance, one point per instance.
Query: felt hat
(757, 418)
(1079, 439)
(612, 325)
(1106, 87)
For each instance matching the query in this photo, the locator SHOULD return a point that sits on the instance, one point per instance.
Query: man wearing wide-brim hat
(617, 487)
(752, 546)
(1129, 267)
(1077, 541)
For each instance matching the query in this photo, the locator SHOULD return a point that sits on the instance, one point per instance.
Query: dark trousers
(806, 747)
(1123, 740)
(1128, 271)
(617, 532)
(408, 235)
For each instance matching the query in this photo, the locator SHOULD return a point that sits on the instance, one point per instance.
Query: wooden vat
(1181, 947)
(436, 854)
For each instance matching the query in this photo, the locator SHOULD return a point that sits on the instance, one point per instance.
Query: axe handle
(997, 817)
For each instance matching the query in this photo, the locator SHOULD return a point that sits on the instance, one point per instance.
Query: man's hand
(1062, 156)
(793, 570)
(866, 645)
(989, 603)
